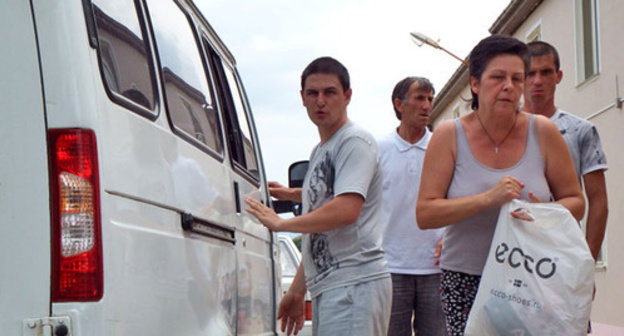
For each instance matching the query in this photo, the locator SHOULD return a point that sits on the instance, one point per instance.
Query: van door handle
(237, 198)
(207, 228)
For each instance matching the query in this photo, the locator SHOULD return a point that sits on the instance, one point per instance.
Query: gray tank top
(467, 242)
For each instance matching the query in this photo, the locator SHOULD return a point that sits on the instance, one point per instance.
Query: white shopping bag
(538, 278)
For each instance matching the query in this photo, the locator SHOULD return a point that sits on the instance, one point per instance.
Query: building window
(456, 113)
(534, 34)
(586, 39)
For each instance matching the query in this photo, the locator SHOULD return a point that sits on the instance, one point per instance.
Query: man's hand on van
(265, 215)
(283, 193)
(291, 312)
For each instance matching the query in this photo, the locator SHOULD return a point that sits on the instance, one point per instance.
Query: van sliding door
(256, 270)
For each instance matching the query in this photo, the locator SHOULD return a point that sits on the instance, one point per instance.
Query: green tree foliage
(297, 241)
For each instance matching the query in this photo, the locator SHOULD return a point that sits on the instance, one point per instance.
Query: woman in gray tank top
(484, 159)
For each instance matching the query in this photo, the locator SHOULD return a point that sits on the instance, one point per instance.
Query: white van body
(174, 155)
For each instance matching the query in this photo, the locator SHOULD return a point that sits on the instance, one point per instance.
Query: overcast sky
(273, 40)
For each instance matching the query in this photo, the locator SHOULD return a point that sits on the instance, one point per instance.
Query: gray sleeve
(356, 164)
(592, 155)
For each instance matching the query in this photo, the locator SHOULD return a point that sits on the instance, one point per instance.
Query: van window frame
(151, 114)
(232, 125)
(208, 76)
(252, 130)
(250, 120)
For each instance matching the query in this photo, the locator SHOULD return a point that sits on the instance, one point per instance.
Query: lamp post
(421, 39)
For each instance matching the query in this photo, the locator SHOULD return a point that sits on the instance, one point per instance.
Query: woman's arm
(560, 173)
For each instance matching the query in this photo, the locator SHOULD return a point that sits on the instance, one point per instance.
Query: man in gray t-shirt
(343, 262)
(580, 136)
(345, 164)
(583, 142)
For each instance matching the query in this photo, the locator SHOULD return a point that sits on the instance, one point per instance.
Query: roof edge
(513, 16)
(506, 24)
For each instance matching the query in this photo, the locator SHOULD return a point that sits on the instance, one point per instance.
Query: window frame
(208, 76)
(456, 111)
(248, 121)
(580, 40)
(232, 124)
(151, 114)
(534, 33)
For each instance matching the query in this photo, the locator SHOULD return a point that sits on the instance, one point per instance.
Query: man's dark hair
(490, 47)
(402, 87)
(541, 48)
(327, 65)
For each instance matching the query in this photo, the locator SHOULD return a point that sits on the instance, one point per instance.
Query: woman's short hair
(490, 47)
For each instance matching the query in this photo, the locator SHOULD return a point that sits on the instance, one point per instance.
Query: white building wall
(586, 99)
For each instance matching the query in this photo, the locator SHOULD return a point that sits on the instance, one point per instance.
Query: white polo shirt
(409, 250)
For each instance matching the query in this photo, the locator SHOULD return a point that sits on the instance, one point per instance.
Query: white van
(127, 148)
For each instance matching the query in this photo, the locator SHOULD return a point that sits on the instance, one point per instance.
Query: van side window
(249, 154)
(188, 96)
(124, 57)
(239, 137)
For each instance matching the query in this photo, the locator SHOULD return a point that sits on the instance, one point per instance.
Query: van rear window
(188, 96)
(123, 51)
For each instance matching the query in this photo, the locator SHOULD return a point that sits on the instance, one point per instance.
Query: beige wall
(557, 21)
(460, 103)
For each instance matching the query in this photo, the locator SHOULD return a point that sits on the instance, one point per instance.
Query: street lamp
(421, 39)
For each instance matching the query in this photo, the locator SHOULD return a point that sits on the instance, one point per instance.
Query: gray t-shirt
(583, 142)
(346, 163)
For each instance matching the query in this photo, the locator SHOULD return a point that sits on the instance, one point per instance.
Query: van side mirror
(296, 174)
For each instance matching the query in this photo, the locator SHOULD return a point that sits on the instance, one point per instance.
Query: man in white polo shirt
(410, 251)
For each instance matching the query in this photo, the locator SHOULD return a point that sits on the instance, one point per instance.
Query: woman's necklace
(496, 145)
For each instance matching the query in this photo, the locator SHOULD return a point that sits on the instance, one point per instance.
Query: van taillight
(308, 310)
(76, 229)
